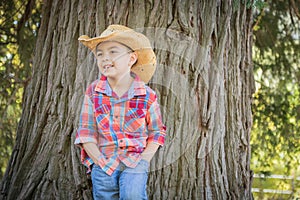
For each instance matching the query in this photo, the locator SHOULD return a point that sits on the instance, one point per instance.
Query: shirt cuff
(82, 140)
(158, 138)
(85, 136)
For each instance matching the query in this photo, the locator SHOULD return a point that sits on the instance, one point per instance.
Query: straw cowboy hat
(146, 63)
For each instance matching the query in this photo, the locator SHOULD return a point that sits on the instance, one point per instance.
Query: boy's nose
(105, 57)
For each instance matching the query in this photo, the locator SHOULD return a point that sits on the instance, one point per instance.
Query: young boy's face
(114, 59)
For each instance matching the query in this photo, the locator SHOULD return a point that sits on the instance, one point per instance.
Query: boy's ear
(133, 58)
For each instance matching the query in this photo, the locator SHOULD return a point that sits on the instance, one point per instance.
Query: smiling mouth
(106, 67)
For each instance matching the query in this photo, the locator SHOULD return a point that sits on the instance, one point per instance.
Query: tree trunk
(204, 81)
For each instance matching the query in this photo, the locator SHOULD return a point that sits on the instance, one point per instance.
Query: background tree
(204, 80)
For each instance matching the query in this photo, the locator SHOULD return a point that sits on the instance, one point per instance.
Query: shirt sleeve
(155, 126)
(87, 130)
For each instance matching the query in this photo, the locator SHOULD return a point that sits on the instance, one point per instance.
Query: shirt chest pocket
(102, 114)
(134, 120)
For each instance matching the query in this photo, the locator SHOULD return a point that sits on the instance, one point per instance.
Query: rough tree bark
(204, 81)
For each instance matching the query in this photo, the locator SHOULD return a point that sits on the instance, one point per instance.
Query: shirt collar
(137, 88)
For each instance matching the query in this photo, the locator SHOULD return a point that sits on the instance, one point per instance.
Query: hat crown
(114, 29)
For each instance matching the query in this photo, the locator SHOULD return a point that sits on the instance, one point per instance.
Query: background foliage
(19, 23)
(276, 106)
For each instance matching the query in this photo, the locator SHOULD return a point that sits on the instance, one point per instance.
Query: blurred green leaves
(276, 106)
(19, 23)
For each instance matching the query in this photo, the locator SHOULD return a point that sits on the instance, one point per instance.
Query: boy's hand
(149, 151)
(92, 150)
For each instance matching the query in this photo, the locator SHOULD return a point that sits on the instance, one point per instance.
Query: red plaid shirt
(121, 127)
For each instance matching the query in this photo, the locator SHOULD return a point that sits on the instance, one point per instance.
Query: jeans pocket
(145, 163)
(142, 167)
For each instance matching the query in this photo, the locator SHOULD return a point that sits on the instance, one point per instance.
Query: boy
(120, 125)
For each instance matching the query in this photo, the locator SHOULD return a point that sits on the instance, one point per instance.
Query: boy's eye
(99, 54)
(113, 51)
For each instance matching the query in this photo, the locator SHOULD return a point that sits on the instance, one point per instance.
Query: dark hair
(129, 49)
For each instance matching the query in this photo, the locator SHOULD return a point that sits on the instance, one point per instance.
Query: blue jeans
(125, 183)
